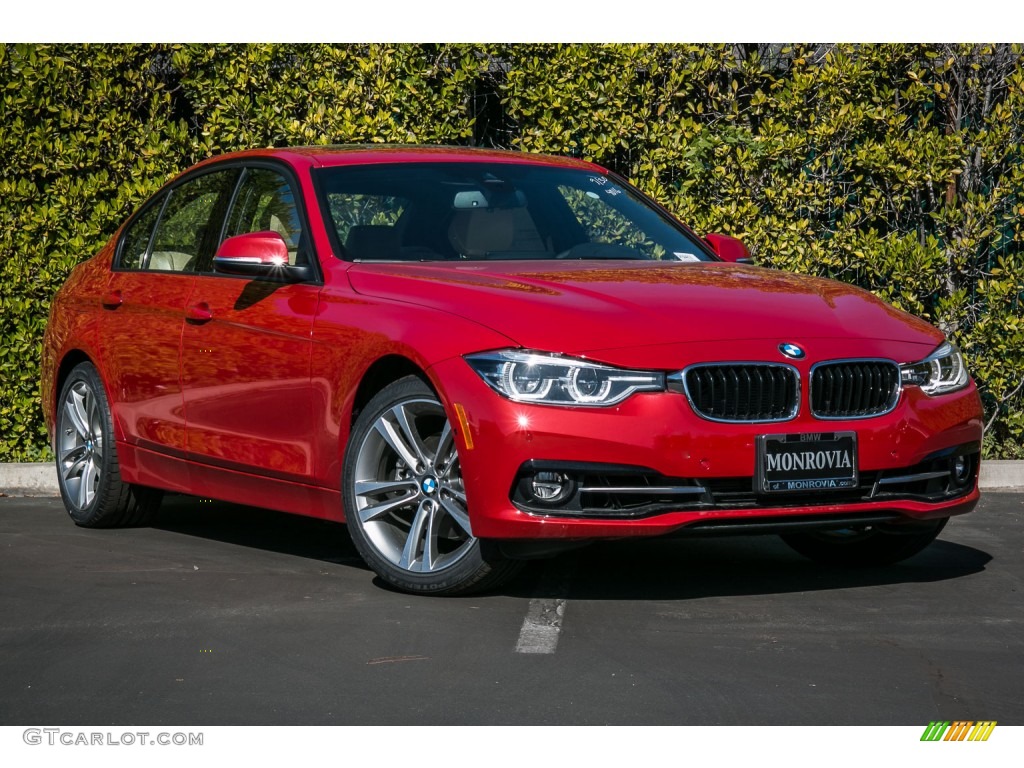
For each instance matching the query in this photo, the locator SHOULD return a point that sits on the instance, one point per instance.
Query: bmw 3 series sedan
(474, 358)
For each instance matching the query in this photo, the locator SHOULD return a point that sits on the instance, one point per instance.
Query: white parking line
(542, 626)
(543, 623)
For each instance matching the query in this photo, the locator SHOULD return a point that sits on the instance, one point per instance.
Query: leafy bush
(896, 167)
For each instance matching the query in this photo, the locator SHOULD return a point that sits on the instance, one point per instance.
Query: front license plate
(812, 461)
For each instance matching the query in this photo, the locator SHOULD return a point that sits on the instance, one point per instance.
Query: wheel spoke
(77, 457)
(72, 409)
(451, 464)
(410, 434)
(72, 454)
(377, 511)
(417, 530)
(458, 514)
(393, 439)
(430, 540)
(89, 475)
(444, 445)
(373, 487)
(82, 408)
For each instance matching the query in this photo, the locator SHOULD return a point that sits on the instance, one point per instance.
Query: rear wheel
(88, 472)
(865, 547)
(405, 503)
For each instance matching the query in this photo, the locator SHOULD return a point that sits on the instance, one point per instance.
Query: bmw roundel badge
(792, 350)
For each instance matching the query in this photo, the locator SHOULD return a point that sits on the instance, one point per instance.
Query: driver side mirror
(258, 254)
(729, 249)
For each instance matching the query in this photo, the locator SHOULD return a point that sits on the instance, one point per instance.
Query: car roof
(362, 154)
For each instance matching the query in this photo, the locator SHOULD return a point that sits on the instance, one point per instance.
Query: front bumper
(668, 445)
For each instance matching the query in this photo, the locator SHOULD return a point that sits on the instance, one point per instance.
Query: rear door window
(189, 228)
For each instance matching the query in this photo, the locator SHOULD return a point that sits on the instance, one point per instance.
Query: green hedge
(896, 167)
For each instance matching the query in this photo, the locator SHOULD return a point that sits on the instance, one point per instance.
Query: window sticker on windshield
(683, 256)
(613, 191)
(599, 180)
(593, 195)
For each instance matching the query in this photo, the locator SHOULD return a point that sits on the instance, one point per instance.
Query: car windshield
(493, 211)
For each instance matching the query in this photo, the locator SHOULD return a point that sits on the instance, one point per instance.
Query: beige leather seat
(169, 261)
(474, 233)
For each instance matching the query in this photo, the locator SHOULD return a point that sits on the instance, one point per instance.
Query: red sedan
(476, 357)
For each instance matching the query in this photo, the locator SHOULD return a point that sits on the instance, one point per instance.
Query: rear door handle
(199, 313)
(112, 300)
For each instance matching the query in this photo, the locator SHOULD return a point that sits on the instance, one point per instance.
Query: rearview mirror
(494, 196)
(729, 249)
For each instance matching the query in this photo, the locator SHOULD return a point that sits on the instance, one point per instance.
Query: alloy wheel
(409, 497)
(80, 444)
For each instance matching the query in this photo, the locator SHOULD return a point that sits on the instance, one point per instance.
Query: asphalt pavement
(229, 615)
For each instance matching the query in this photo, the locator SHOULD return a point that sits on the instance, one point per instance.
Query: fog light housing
(551, 487)
(961, 470)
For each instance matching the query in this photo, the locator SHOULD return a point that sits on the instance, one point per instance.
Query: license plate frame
(818, 462)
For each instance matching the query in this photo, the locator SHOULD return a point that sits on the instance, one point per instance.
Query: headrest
(475, 233)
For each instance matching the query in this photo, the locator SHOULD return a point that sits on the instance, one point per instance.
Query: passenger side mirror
(257, 254)
(729, 249)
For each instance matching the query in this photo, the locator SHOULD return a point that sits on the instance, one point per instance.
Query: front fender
(351, 333)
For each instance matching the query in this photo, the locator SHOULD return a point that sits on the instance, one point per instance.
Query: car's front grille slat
(743, 391)
(854, 389)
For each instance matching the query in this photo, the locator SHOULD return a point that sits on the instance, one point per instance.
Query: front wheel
(405, 503)
(872, 546)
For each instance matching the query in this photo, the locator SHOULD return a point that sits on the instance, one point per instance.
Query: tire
(88, 472)
(405, 504)
(873, 546)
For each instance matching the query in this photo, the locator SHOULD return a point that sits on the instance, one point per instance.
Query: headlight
(529, 377)
(942, 371)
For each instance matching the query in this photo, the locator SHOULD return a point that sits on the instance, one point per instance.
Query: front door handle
(112, 300)
(199, 313)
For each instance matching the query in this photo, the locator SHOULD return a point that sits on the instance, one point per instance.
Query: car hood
(583, 307)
